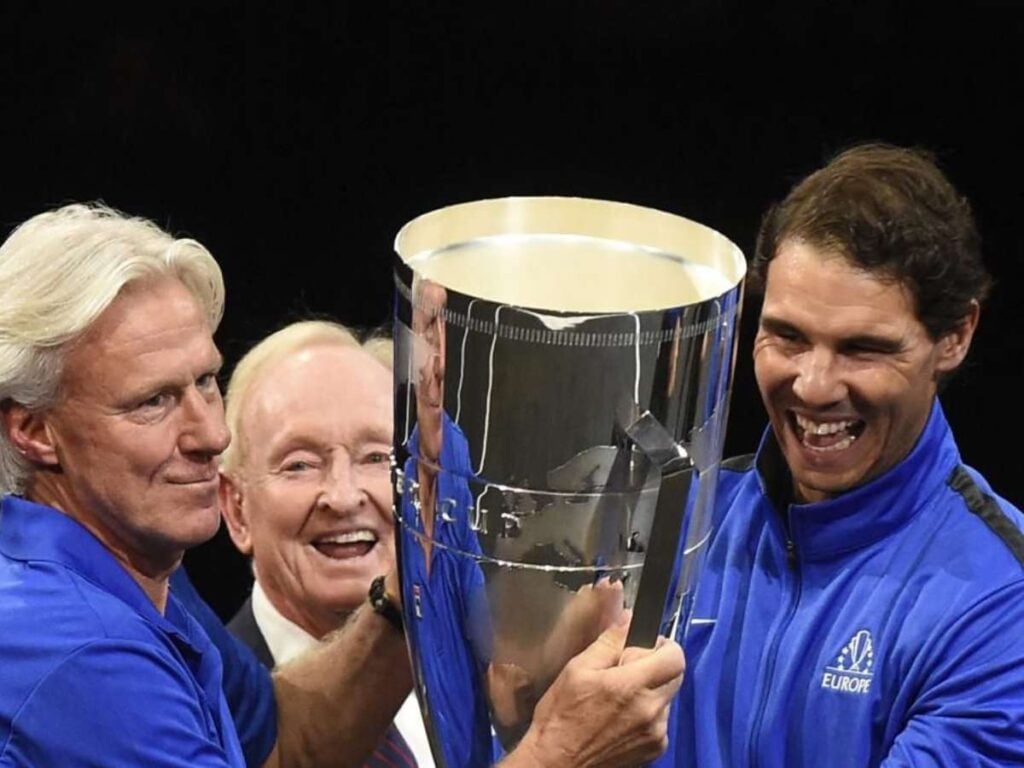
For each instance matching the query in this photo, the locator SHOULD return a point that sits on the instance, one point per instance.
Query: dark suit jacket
(244, 627)
(391, 753)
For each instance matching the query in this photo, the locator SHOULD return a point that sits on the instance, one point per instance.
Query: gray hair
(58, 272)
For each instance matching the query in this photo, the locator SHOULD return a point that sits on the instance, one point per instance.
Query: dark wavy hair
(892, 212)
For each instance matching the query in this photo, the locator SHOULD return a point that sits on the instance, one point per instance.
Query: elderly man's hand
(607, 708)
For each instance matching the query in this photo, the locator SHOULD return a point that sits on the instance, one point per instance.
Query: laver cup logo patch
(852, 671)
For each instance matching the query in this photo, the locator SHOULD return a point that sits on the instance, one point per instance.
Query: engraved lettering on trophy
(445, 508)
(478, 523)
(511, 526)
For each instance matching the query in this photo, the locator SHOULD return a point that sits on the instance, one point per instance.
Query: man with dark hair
(892, 212)
(863, 598)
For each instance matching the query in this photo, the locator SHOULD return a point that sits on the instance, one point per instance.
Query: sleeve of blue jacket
(971, 709)
(247, 685)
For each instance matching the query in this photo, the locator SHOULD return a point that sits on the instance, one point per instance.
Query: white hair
(58, 272)
(275, 348)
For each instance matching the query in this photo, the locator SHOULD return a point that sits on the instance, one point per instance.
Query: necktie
(392, 752)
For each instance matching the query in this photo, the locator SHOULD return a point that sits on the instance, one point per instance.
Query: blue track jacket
(884, 627)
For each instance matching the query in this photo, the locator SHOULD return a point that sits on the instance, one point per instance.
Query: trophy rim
(611, 224)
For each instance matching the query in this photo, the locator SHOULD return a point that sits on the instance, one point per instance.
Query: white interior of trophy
(571, 255)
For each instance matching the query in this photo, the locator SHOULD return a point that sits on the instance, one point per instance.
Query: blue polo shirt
(247, 684)
(445, 609)
(92, 674)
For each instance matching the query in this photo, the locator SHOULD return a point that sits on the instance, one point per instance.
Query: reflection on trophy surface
(562, 378)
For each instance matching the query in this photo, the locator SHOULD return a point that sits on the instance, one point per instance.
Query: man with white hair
(306, 493)
(113, 426)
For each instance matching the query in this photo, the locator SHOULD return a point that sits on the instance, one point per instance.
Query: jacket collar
(866, 514)
(35, 532)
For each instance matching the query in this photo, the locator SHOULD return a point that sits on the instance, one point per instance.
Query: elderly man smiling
(113, 426)
(307, 494)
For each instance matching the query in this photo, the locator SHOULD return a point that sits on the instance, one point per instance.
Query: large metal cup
(562, 377)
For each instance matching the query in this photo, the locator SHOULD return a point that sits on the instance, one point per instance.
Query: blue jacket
(884, 627)
(92, 673)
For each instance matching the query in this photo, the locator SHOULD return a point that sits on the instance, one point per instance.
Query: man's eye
(378, 457)
(156, 401)
(297, 466)
(207, 381)
(866, 348)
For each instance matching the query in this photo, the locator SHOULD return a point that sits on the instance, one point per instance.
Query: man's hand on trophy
(590, 611)
(519, 674)
(609, 707)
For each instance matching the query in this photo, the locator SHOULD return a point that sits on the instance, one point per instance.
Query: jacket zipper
(792, 562)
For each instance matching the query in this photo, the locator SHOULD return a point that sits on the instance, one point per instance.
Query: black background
(295, 139)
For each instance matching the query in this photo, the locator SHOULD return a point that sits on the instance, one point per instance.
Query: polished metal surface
(562, 375)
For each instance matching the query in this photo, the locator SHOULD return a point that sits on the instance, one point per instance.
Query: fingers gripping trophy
(562, 377)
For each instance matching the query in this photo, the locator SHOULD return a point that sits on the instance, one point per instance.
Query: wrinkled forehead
(146, 302)
(153, 331)
(324, 390)
(825, 287)
(835, 253)
(800, 254)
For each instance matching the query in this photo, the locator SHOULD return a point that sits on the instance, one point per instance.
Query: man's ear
(953, 347)
(29, 433)
(236, 517)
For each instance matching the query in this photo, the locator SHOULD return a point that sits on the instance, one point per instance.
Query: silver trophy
(562, 377)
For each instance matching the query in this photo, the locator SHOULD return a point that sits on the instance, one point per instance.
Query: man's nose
(818, 381)
(342, 490)
(205, 431)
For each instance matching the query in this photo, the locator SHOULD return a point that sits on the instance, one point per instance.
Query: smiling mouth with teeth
(826, 435)
(342, 546)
